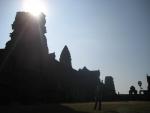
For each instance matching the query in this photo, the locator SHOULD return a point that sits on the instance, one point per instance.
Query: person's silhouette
(98, 97)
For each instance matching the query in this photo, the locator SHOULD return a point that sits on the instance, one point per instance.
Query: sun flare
(35, 7)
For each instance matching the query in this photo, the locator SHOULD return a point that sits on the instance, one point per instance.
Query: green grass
(107, 107)
(113, 107)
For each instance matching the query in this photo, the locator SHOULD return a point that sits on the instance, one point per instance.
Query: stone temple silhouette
(109, 88)
(30, 74)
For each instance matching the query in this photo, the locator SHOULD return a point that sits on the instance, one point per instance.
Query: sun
(35, 7)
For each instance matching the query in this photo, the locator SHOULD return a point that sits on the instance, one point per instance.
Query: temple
(29, 73)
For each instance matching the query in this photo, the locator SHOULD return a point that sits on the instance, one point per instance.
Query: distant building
(109, 87)
(148, 81)
(65, 57)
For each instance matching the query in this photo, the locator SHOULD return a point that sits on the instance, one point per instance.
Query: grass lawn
(113, 107)
(107, 107)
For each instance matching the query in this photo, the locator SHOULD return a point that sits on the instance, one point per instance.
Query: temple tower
(109, 85)
(65, 57)
(27, 54)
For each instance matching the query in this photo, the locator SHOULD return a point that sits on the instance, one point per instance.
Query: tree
(132, 90)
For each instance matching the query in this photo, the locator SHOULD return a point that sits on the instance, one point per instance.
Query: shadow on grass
(46, 108)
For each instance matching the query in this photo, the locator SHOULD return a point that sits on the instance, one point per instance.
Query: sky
(110, 35)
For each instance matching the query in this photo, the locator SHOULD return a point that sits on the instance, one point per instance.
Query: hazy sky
(110, 35)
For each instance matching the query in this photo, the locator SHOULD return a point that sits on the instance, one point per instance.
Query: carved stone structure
(109, 87)
(28, 73)
(148, 81)
(65, 58)
(25, 57)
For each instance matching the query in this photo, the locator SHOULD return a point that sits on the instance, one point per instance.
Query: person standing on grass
(98, 96)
